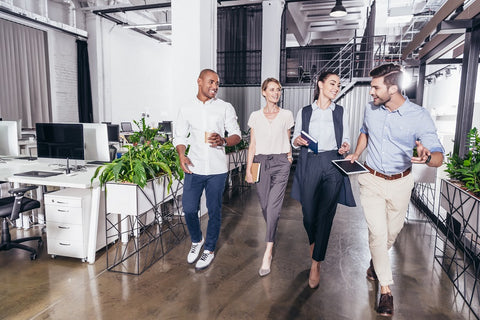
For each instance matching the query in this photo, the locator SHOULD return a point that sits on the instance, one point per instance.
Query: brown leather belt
(387, 177)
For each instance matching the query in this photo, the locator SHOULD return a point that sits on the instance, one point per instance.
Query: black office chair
(10, 208)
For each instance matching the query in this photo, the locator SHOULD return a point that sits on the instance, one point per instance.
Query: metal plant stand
(145, 237)
(457, 243)
(237, 162)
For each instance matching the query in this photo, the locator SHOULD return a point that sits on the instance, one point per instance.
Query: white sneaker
(205, 260)
(194, 251)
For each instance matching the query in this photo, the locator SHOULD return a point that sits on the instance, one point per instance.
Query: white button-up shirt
(215, 115)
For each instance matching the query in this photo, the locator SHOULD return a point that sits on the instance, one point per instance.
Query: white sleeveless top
(271, 135)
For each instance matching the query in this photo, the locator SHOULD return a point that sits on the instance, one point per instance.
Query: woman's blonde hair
(267, 81)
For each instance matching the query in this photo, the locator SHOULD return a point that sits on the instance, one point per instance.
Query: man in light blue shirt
(392, 127)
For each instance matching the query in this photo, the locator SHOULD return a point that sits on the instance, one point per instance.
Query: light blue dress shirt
(392, 135)
(321, 127)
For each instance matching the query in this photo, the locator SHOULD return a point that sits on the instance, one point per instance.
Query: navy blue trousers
(320, 191)
(193, 187)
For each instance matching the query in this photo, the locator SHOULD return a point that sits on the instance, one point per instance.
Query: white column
(271, 32)
(194, 44)
(97, 51)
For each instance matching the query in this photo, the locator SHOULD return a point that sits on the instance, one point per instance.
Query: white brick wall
(64, 79)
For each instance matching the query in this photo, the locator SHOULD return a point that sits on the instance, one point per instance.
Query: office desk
(80, 179)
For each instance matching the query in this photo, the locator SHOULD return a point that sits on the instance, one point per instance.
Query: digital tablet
(349, 168)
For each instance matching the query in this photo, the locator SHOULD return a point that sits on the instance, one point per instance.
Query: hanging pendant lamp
(339, 10)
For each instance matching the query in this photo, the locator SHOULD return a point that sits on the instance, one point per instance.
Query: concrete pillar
(271, 32)
(98, 53)
(194, 44)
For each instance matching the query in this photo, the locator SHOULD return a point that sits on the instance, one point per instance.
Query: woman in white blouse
(270, 146)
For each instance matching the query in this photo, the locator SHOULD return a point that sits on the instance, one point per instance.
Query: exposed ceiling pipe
(21, 13)
(72, 13)
(45, 8)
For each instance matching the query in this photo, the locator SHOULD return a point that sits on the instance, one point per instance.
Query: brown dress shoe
(371, 275)
(385, 306)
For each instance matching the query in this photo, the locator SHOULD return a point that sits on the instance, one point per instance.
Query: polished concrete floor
(66, 288)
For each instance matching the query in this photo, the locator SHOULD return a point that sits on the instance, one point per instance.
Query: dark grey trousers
(274, 171)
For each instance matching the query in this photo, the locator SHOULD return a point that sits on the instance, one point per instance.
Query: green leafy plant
(467, 170)
(243, 144)
(145, 159)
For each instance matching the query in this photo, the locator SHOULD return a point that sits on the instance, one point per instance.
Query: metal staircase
(354, 61)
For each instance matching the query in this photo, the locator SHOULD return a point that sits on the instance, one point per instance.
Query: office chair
(10, 208)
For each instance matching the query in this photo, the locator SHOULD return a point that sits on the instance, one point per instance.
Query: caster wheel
(53, 256)
(33, 256)
(84, 259)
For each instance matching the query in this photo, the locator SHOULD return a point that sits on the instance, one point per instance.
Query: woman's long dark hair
(322, 78)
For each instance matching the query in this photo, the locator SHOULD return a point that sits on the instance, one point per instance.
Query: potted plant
(466, 171)
(460, 219)
(459, 195)
(148, 164)
(237, 154)
(147, 158)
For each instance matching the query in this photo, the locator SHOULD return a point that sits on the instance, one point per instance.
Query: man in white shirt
(206, 119)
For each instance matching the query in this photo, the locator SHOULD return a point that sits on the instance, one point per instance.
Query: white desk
(79, 179)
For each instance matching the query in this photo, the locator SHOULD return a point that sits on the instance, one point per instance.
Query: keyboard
(97, 162)
(37, 174)
(26, 158)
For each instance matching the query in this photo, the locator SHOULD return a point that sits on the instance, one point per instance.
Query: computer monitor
(113, 132)
(9, 138)
(60, 140)
(126, 126)
(165, 127)
(95, 137)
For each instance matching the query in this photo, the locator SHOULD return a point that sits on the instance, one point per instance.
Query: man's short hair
(204, 72)
(392, 73)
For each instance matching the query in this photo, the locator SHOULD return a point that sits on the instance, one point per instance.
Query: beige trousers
(385, 204)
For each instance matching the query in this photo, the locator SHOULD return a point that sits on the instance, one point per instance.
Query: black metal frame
(105, 13)
(235, 177)
(147, 241)
(457, 242)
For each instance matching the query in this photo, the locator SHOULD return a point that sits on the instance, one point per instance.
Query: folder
(255, 171)
(312, 142)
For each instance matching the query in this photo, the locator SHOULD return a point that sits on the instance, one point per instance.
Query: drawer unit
(63, 214)
(67, 214)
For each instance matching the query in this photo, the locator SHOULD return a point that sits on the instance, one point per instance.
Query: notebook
(256, 171)
(312, 142)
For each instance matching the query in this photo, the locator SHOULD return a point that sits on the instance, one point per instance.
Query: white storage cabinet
(67, 217)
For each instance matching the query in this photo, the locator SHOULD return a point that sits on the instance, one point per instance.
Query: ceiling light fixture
(339, 10)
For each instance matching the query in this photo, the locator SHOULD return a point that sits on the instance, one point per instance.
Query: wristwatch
(224, 142)
(428, 159)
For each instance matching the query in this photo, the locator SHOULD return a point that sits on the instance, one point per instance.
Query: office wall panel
(63, 60)
(245, 100)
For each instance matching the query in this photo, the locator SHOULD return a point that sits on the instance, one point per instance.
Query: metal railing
(356, 58)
